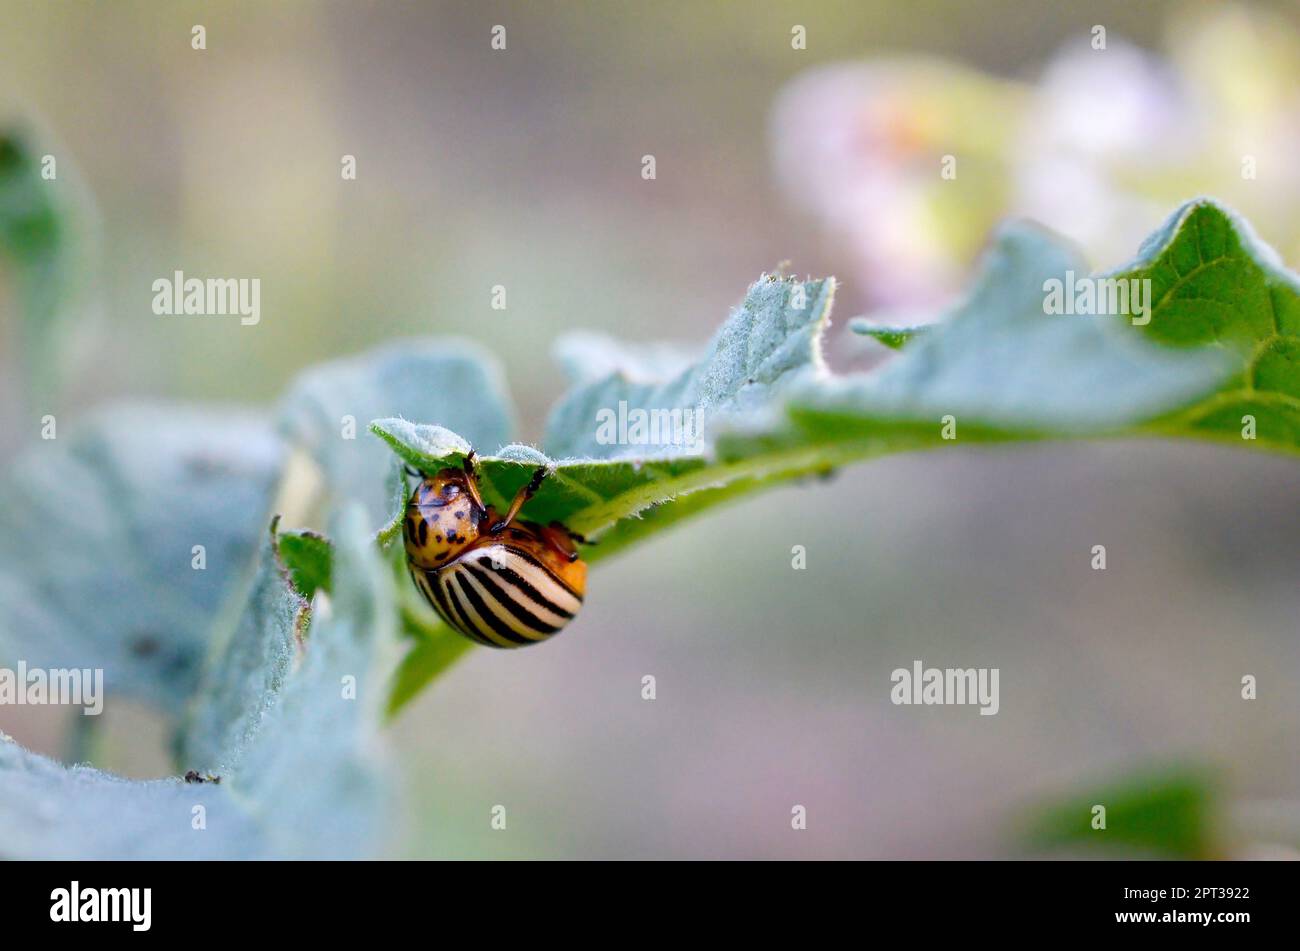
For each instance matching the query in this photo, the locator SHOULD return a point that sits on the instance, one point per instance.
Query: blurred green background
(523, 168)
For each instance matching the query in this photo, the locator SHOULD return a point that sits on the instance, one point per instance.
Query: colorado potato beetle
(498, 580)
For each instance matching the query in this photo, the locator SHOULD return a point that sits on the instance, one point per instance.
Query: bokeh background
(523, 168)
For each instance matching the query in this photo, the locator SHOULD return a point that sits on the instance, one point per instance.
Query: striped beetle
(496, 580)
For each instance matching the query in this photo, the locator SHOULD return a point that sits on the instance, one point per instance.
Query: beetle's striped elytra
(497, 580)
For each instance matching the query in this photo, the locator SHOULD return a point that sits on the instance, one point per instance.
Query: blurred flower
(1101, 148)
(1100, 122)
(862, 146)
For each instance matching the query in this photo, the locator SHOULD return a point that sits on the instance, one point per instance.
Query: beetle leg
(573, 536)
(580, 539)
(563, 540)
(522, 496)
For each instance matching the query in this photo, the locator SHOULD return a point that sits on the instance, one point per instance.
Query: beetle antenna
(471, 481)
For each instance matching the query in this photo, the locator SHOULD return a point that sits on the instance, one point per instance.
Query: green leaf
(895, 338)
(998, 364)
(1214, 282)
(1170, 813)
(771, 341)
(308, 780)
(31, 229)
(457, 383)
(98, 531)
(1004, 369)
(310, 560)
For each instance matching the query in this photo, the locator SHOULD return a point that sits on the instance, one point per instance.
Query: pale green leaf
(328, 407)
(51, 811)
(307, 779)
(250, 658)
(98, 536)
